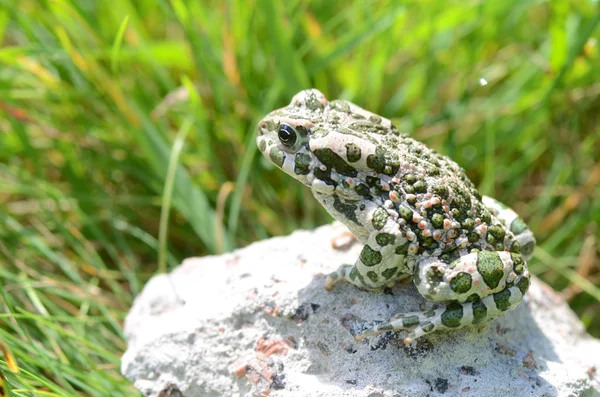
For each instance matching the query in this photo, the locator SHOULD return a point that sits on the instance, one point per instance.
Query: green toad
(415, 211)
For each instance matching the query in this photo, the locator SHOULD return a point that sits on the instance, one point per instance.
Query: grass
(127, 143)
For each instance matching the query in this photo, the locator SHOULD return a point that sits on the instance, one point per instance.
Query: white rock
(258, 322)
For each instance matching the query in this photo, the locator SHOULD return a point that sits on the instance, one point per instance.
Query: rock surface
(258, 322)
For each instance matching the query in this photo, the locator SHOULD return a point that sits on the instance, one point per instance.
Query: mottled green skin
(415, 211)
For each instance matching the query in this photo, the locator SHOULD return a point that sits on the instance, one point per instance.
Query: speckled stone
(259, 320)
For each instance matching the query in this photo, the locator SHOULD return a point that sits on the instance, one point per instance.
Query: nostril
(262, 128)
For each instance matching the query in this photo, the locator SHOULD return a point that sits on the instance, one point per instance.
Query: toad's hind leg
(452, 315)
(514, 223)
(474, 289)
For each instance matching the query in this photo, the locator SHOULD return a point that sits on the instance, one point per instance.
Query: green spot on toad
(369, 256)
(461, 283)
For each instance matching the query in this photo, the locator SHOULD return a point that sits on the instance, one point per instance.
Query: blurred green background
(116, 114)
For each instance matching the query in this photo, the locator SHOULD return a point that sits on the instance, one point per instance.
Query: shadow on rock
(511, 352)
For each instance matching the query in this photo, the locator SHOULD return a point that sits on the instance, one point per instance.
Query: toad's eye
(287, 135)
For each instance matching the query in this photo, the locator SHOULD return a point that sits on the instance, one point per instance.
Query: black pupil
(287, 135)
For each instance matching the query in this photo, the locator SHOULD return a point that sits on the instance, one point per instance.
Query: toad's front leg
(380, 264)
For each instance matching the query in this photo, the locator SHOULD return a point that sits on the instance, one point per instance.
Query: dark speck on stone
(384, 340)
(352, 381)
(324, 348)
(304, 311)
(467, 370)
(441, 385)
(171, 390)
(422, 349)
(191, 339)
(388, 291)
(350, 322)
(293, 341)
(278, 382)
